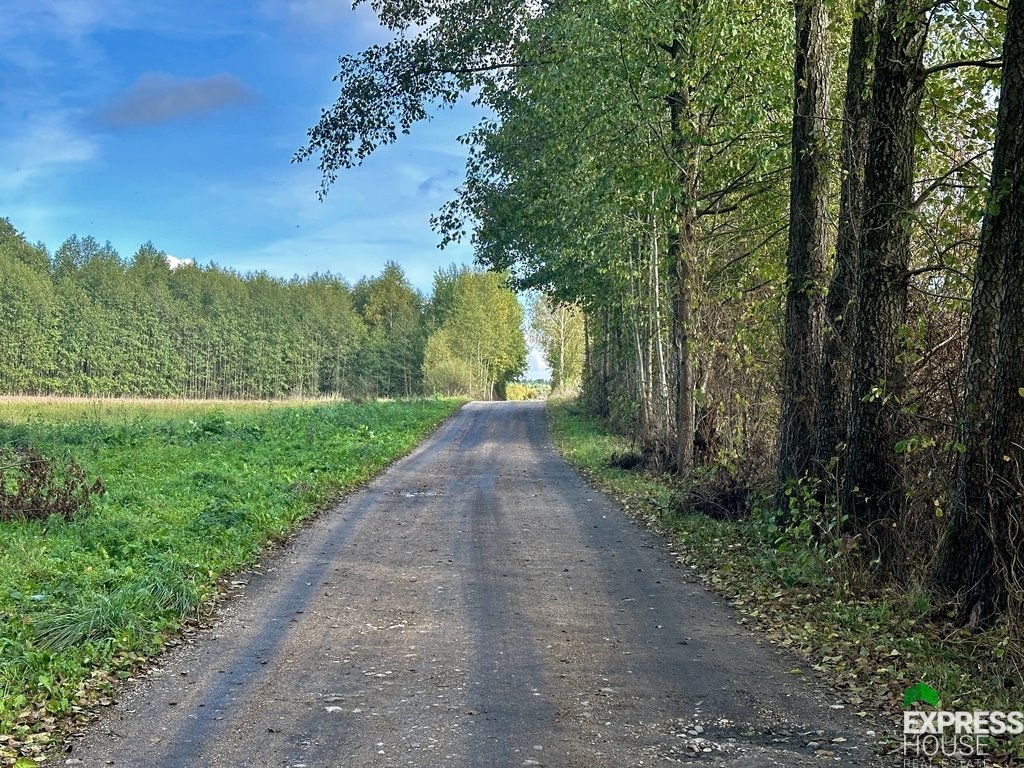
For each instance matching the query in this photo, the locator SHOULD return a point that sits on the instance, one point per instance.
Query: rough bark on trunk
(986, 514)
(1003, 586)
(834, 375)
(805, 260)
(663, 389)
(873, 487)
(682, 236)
(966, 552)
(681, 255)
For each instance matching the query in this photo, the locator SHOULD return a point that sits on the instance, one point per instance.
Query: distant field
(194, 490)
(151, 405)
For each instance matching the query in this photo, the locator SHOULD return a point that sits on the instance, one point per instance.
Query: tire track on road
(477, 606)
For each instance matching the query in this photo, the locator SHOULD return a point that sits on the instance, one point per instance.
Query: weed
(33, 487)
(193, 491)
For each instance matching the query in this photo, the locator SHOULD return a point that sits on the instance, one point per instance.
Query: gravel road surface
(478, 605)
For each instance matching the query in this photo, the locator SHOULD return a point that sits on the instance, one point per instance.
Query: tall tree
(840, 300)
(394, 315)
(873, 485)
(966, 560)
(557, 327)
(481, 335)
(805, 259)
(587, 163)
(91, 323)
(27, 328)
(1007, 448)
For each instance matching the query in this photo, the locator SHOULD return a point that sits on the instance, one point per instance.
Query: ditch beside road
(477, 605)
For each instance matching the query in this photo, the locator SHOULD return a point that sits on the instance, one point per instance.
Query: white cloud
(44, 145)
(174, 262)
(65, 19)
(27, 58)
(61, 28)
(75, 20)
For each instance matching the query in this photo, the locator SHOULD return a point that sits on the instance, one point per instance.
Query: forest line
(87, 322)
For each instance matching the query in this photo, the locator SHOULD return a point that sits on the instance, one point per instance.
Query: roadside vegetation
(533, 389)
(778, 247)
(190, 492)
(804, 592)
(789, 234)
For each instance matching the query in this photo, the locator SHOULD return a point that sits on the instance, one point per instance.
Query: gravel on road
(478, 605)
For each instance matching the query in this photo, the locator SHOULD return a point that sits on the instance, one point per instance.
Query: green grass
(194, 491)
(871, 644)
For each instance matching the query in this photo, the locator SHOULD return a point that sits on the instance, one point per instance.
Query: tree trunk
(663, 389)
(1007, 458)
(680, 255)
(834, 375)
(808, 210)
(588, 355)
(994, 370)
(873, 487)
(560, 380)
(682, 240)
(682, 310)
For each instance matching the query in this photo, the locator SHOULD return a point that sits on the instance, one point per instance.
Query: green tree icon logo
(920, 692)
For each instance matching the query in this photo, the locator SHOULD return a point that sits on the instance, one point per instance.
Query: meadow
(193, 491)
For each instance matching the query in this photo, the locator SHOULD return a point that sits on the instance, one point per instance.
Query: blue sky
(136, 120)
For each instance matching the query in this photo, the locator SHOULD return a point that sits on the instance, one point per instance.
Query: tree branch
(983, 63)
(936, 183)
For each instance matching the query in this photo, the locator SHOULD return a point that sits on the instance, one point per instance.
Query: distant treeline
(84, 321)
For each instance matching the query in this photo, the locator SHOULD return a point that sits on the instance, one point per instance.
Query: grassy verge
(870, 644)
(194, 491)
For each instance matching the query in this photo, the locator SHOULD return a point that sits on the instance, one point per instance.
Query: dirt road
(479, 606)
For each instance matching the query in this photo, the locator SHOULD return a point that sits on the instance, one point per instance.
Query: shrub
(517, 391)
(527, 390)
(33, 487)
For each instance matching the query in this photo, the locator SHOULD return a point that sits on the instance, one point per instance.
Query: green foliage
(442, 50)
(193, 492)
(88, 323)
(443, 371)
(394, 314)
(872, 644)
(479, 345)
(518, 390)
(633, 165)
(814, 533)
(558, 329)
